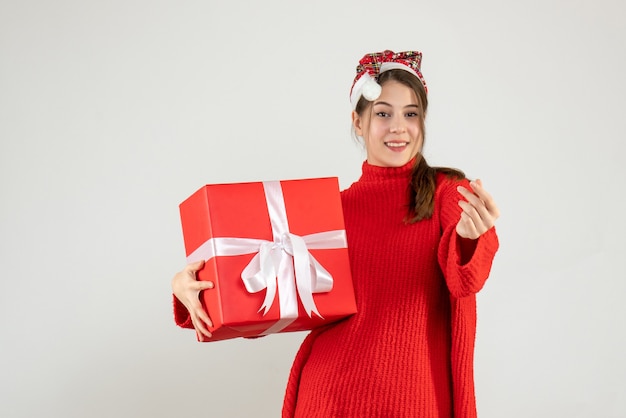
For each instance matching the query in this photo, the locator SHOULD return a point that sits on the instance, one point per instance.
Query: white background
(112, 113)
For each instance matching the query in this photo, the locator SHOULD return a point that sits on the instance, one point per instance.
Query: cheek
(416, 132)
(379, 127)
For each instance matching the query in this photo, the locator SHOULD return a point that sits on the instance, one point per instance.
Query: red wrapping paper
(242, 211)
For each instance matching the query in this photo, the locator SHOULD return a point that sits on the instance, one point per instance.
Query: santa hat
(372, 65)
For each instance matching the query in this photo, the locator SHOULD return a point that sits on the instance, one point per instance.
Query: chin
(399, 162)
(391, 160)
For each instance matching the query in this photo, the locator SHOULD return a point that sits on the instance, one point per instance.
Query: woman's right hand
(186, 287)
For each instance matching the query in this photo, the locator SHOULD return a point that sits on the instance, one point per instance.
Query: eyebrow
(388, 104)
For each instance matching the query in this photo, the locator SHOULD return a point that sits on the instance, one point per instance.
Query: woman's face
(390, 126)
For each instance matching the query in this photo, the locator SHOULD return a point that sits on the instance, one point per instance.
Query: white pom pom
(371, 90)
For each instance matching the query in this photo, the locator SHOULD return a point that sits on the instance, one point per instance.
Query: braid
(422, 188)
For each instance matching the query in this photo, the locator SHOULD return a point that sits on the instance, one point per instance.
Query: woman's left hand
(479, 211)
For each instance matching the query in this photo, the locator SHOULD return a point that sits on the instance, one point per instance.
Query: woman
(421, 242)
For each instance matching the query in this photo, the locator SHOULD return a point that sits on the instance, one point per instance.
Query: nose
(397, 125)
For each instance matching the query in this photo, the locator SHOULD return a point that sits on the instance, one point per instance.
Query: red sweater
(408, 352)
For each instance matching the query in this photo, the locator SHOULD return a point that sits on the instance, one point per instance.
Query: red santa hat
(372, 65)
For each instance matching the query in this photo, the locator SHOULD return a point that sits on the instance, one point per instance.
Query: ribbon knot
(282, 242)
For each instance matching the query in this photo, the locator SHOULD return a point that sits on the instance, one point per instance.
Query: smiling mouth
(396, 144)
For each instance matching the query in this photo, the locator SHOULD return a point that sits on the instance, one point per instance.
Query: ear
(357, 122)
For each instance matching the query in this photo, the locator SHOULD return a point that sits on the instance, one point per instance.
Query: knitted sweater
(408, 352)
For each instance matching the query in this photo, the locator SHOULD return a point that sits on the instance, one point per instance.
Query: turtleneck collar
(374, 173)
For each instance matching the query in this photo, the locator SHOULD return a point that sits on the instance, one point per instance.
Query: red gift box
(276, 252)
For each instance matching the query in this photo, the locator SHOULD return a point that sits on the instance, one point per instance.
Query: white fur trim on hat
(386, 66)
(368, 87)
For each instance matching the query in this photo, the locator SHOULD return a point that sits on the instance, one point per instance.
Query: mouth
(396, 144)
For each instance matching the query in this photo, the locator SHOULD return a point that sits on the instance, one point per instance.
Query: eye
(412, 115)
(382, 114)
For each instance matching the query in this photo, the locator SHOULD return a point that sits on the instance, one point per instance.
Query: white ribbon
(284, 265)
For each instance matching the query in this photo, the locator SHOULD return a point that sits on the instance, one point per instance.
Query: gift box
(276, 252)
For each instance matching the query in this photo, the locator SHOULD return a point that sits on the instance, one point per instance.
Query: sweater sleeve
(465, 263)
(181, 314)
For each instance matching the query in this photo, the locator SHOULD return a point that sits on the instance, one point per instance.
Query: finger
(204, 317)
(477, 211)
(479, 215)
(200, 318)
(194, 267)
(470, 195)
(199, 285)
(474, 202)
(200, 327)
(466, 227)
(482, 201)
(479, 190)
(197, 310)
(490, 204)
